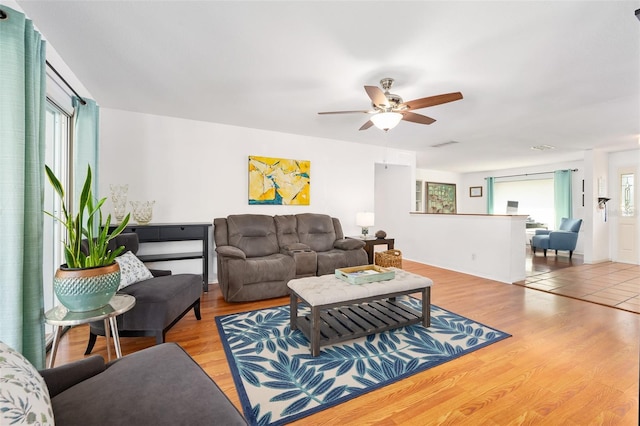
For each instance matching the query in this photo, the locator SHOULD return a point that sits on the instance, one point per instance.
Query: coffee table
(341, 311)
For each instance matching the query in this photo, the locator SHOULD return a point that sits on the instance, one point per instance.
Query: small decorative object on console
(119, 200)
(142, 211)
(381, 234)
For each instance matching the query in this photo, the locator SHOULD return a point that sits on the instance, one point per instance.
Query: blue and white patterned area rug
(279, 381)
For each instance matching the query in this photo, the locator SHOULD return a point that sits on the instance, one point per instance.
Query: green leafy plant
(84, 225)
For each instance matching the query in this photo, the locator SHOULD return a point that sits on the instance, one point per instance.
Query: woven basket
(389, 258)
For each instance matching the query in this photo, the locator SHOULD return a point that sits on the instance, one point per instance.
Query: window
(56, 154)
(534, 197)
(626, 194)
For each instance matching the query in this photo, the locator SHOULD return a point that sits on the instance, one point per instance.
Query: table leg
(315, 331)
(293, 311)
(107, 336)
(426, 306)
(57, 334)
(116, 336)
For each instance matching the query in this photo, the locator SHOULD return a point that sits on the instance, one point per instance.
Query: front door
(627, 224)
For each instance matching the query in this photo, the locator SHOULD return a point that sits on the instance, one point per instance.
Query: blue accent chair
(565, 238)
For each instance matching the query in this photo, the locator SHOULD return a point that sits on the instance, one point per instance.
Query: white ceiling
(561, 73)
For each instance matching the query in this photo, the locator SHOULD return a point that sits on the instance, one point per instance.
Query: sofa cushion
(286, 230)
(24, 397)
(159, 385)
(316, 231)
(132, 270)
(253, 234)
(277, 267)
(159, 301)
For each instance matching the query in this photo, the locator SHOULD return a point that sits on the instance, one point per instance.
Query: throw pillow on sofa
(24, 397)
(132, 270)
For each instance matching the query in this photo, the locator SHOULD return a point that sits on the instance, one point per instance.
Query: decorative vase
(81, 290)
(142, 211)
(119, 200)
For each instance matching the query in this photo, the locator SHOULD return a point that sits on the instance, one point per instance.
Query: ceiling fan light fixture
(386, 120)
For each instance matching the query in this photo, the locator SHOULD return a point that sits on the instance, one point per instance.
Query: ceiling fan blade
(417, 118)
(377, 96)
(366, 125)
(346, 112)
(433, 100)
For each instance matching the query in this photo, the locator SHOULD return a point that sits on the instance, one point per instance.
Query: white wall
(197, 171)
(487, 246)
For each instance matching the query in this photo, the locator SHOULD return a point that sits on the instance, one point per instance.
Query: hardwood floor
(569, 362)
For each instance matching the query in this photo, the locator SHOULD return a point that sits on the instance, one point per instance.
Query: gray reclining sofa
(259, 254)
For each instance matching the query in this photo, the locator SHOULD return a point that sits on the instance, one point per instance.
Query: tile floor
(609, 283)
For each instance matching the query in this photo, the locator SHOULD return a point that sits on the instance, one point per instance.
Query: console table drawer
(181, 233)
(144, 234)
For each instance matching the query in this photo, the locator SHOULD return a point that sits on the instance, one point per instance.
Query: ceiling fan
(389, 109)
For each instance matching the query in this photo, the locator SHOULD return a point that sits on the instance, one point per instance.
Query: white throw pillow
(24, 397)
(132, 270)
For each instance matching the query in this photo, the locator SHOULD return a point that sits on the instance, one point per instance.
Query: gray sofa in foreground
(259, 254)
(160, 385)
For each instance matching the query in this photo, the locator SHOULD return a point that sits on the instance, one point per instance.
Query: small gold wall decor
(279, 181)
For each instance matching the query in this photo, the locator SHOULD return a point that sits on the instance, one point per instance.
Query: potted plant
(91, 276)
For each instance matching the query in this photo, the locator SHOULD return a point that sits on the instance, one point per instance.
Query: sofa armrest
(543, 231)
(230, 251)
(159, 272)
(348, 244)
(563, 240)
(59, 379)
(295, 247)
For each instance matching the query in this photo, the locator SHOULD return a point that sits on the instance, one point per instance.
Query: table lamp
(365, 220)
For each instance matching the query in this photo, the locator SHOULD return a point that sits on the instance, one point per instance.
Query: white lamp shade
(386, 120)
(364, 219)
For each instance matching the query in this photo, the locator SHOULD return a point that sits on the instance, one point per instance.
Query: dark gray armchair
(160, 385)
(160, 301)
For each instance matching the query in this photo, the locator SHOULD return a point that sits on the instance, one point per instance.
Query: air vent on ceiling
(440, 145)
(542, 147)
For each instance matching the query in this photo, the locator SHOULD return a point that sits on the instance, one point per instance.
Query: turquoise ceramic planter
(81, 290)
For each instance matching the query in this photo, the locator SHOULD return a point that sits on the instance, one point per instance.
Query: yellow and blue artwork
(279, 181)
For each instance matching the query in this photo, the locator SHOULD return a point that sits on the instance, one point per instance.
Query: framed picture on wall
(441, 198)
(475, 191)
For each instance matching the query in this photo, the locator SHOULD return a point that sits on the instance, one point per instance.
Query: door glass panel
(627, 202)
(56, 143)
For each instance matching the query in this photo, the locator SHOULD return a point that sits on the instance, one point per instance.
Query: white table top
(327, 289)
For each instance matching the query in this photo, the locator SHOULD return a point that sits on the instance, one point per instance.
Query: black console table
(164, 232)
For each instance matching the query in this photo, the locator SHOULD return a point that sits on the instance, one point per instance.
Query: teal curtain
(562, 195)
(22, 132)
(490, 182)
(86, 120)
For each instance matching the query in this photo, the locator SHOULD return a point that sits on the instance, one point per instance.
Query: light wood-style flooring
(569, 362)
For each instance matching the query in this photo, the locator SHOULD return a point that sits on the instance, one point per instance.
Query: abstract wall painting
(279, 181)
(441, 198)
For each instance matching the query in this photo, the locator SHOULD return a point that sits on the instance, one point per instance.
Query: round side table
(61, 317)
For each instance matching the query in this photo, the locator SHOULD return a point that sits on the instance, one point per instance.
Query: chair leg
(556, 252)
(570, 253)
(91, 343)
(545, 252)
(534, 249)
(196, 310)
